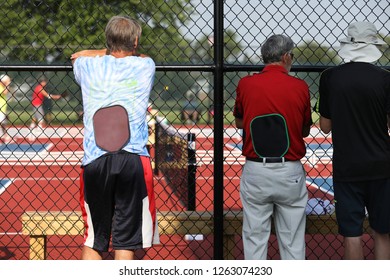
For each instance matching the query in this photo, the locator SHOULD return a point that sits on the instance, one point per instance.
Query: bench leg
(229, 244)
(37, 247)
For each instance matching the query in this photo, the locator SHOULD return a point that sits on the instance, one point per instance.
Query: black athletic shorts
(117, 199)
(352, 201)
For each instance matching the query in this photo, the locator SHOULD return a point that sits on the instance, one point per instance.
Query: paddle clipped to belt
(269, 138)
(111, 128)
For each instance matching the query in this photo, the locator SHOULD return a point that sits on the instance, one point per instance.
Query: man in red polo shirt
(38, 97)
(273, 182)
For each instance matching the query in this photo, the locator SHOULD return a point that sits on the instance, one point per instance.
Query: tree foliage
(312, 53)
(45, 31)
(204, 51)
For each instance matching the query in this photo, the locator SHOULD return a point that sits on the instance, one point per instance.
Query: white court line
(320, 188)
(24, 179)
(33, 158)
(11, 233)
(4, 187)
(46, 133)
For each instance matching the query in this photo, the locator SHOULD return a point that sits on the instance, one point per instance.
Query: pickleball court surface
(43, 175)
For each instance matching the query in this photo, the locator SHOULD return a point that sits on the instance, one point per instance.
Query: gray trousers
(275, 190)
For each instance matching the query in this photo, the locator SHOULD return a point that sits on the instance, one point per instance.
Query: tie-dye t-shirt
(107, 81)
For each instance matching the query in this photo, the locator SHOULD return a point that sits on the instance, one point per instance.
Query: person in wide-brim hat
(362, 43)
(354, 101)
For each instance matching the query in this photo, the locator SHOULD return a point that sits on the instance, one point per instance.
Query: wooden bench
(38, 225)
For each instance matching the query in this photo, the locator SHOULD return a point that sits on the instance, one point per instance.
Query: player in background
(5, 82)
(38, 97)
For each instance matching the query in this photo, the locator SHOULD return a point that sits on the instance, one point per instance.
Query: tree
(204, 51)
(385, 59)
(46, 31)
(312, 53)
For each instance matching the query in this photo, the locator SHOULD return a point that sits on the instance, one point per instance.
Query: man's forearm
(325, 124)
(388, 122)
(90, 53)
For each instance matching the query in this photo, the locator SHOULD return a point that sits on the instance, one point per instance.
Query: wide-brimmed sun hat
(362, 43)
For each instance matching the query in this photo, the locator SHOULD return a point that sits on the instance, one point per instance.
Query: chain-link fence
(201, 49)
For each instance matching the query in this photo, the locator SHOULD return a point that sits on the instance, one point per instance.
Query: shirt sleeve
(323, 99)
(77, 69)
(308, 117)
(238, 110)
(388, 94)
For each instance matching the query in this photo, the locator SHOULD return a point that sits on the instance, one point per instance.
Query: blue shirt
(107, 81)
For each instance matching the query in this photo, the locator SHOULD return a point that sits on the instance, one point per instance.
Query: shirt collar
(275, 67)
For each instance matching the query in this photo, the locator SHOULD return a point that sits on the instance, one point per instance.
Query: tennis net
(175, 159)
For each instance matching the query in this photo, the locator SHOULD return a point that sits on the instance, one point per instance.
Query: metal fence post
(218, 130)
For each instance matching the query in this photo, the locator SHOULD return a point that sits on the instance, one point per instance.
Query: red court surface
(49, 180)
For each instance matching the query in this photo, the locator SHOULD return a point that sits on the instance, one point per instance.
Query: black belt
(268, 159)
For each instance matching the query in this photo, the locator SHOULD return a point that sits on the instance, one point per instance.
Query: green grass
(63, 112)
(66, 115)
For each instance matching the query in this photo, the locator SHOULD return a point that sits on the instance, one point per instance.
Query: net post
(191, 172)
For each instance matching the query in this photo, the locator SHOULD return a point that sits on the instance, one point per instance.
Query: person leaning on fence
(273, 109)
(5, 82)
(116, 178)
(354, 105)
